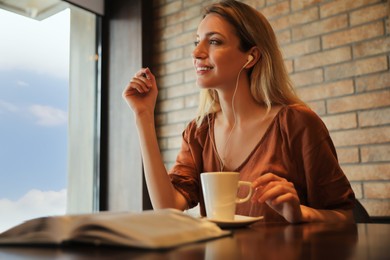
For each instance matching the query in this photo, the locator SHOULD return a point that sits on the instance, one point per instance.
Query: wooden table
(259, 241)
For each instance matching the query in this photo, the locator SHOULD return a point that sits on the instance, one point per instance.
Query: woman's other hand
(141, 92)
(279, 194)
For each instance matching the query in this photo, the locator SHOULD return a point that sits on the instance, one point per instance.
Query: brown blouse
(296, 146)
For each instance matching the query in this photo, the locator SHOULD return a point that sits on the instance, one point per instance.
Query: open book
(149, 229)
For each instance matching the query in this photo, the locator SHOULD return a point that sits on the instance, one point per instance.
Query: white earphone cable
(223, 159)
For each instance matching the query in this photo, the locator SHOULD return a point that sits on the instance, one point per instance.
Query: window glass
(47, 61)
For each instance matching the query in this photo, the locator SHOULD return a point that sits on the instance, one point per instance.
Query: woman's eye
(214, 42)
(196, 43)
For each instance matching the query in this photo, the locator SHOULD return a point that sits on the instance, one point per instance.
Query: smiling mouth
(204, 68)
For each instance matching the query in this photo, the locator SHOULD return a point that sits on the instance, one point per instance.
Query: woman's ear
(255, 53)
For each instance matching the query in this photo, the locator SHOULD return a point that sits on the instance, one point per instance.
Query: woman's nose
(199, 52)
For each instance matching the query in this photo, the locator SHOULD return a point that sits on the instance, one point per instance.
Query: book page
(43, 230)
(148, 229)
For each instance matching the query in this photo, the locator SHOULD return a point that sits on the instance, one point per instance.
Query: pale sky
(33, 116)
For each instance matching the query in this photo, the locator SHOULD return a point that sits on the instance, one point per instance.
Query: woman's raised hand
(279, 194)
(141, 92)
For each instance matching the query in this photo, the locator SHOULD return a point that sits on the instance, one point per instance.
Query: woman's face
(216, 57)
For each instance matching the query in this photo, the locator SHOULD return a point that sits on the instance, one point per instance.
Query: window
(49, 110)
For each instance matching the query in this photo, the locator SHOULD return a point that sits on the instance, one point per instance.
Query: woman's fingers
(141, 83)
(274, 189)
(279, 194)
(265, 179)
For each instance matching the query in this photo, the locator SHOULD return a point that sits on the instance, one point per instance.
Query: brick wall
(337, 54)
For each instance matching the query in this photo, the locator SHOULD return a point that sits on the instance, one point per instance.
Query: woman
(250, 121)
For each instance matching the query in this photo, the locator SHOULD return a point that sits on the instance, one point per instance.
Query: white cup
(220, 194)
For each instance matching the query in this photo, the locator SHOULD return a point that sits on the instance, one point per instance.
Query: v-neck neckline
(245, 161)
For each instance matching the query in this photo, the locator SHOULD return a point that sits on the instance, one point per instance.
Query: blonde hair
(269, 80)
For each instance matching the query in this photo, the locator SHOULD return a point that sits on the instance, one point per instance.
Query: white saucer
(239, 221)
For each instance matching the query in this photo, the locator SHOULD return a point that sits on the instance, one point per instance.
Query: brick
(171, 31)
(376, 190)
(307, 77)
(356, 68)
(174, 142)
(301, 48)
(320, 27)
(182, 90)
(326, 90)
(375, 153)
(352, 35)
(301, 4)
(159, 23)
(170, 130)
(160, 119)
(378, 208)
(283, 37)
(340, 121)
(206, 3)
(323, 58)
(188, 3)
(181, 40)
(336, 7)
(375, 117)
(158, 3)
(364, 136)
(184, 15)
(271, 2)
(359, 101)
(162, 94)
(170, 8)
(367, 172)
(190, 76)
(171, 104)
(181, 116)
(163, 143)
(179, 65)
(192, 24)
(257, 4)
(169, 56)
(289, 66)
(305, 16)
(317, 106)
(357, 189)
(191, 101)
(369, 14)
(348, 155)
(170, 80)
(169, 156)
(160, 46)
(276, 10)
(371, 48)
(158, 71)
(373, 82)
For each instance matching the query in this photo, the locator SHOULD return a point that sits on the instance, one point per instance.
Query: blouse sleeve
(327, 187)
(185, 172)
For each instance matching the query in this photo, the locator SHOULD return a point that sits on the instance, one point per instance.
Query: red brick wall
(337, 54)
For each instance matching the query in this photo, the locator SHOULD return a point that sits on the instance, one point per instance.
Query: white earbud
(250, 58)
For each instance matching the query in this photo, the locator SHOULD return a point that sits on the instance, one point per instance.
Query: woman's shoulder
(300, 114)
(300, 118)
